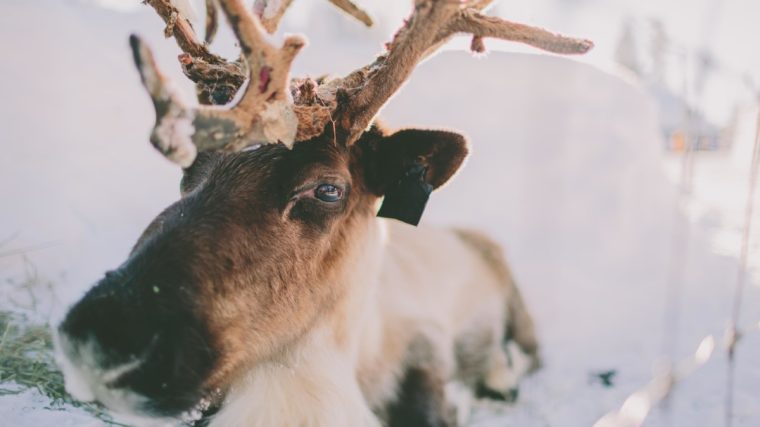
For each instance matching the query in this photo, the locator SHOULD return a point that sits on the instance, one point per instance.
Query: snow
(33, 409)
(567, 173)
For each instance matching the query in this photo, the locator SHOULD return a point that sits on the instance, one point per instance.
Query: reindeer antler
(265, 112)
(361, 95)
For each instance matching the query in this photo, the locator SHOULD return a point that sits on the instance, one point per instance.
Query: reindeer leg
(513, 357)
(515, 347)
(520, 330)
(421, 401)
(421, 393)
(500, 378)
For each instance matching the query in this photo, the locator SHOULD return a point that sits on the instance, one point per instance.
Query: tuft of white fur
(75, 379)
(87, 381)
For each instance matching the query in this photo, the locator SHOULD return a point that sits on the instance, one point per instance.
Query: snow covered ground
(567, 172)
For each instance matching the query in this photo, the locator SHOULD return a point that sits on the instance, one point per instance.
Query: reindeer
(271, 293)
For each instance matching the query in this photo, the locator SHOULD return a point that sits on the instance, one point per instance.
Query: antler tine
(181, 131)
(361, 95)
(179, 26)
(472, 22)
(217, 80)
(268, 67)
(212, 21)
(173, 118)
(264, 113)
(270, 12)
(350, 8)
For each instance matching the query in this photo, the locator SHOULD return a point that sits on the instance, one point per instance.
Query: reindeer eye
(328, 193)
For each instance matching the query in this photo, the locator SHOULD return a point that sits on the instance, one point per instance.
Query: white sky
(726, 28)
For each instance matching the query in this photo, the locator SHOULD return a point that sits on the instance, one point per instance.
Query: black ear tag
(406, 200)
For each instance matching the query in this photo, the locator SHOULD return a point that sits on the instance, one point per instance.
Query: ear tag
(406, 200)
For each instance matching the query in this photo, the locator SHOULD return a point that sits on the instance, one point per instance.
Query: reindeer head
(278, 194)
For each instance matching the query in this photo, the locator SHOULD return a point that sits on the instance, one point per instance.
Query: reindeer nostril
(124, 347)
(115, 329)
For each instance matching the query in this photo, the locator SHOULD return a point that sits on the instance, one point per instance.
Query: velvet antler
(273, 109)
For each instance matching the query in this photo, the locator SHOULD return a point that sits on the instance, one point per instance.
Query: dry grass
(26, 362)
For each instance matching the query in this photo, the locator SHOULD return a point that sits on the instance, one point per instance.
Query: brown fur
(252, 257)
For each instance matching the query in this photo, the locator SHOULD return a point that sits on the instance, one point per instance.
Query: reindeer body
(270, 293)
(401, 313)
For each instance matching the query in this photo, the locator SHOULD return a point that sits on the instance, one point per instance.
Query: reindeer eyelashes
(328, 193)
(317, 202)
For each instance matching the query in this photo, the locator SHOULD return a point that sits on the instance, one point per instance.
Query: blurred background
(617, 181)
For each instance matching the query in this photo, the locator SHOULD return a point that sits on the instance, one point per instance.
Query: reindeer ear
(407, 165)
